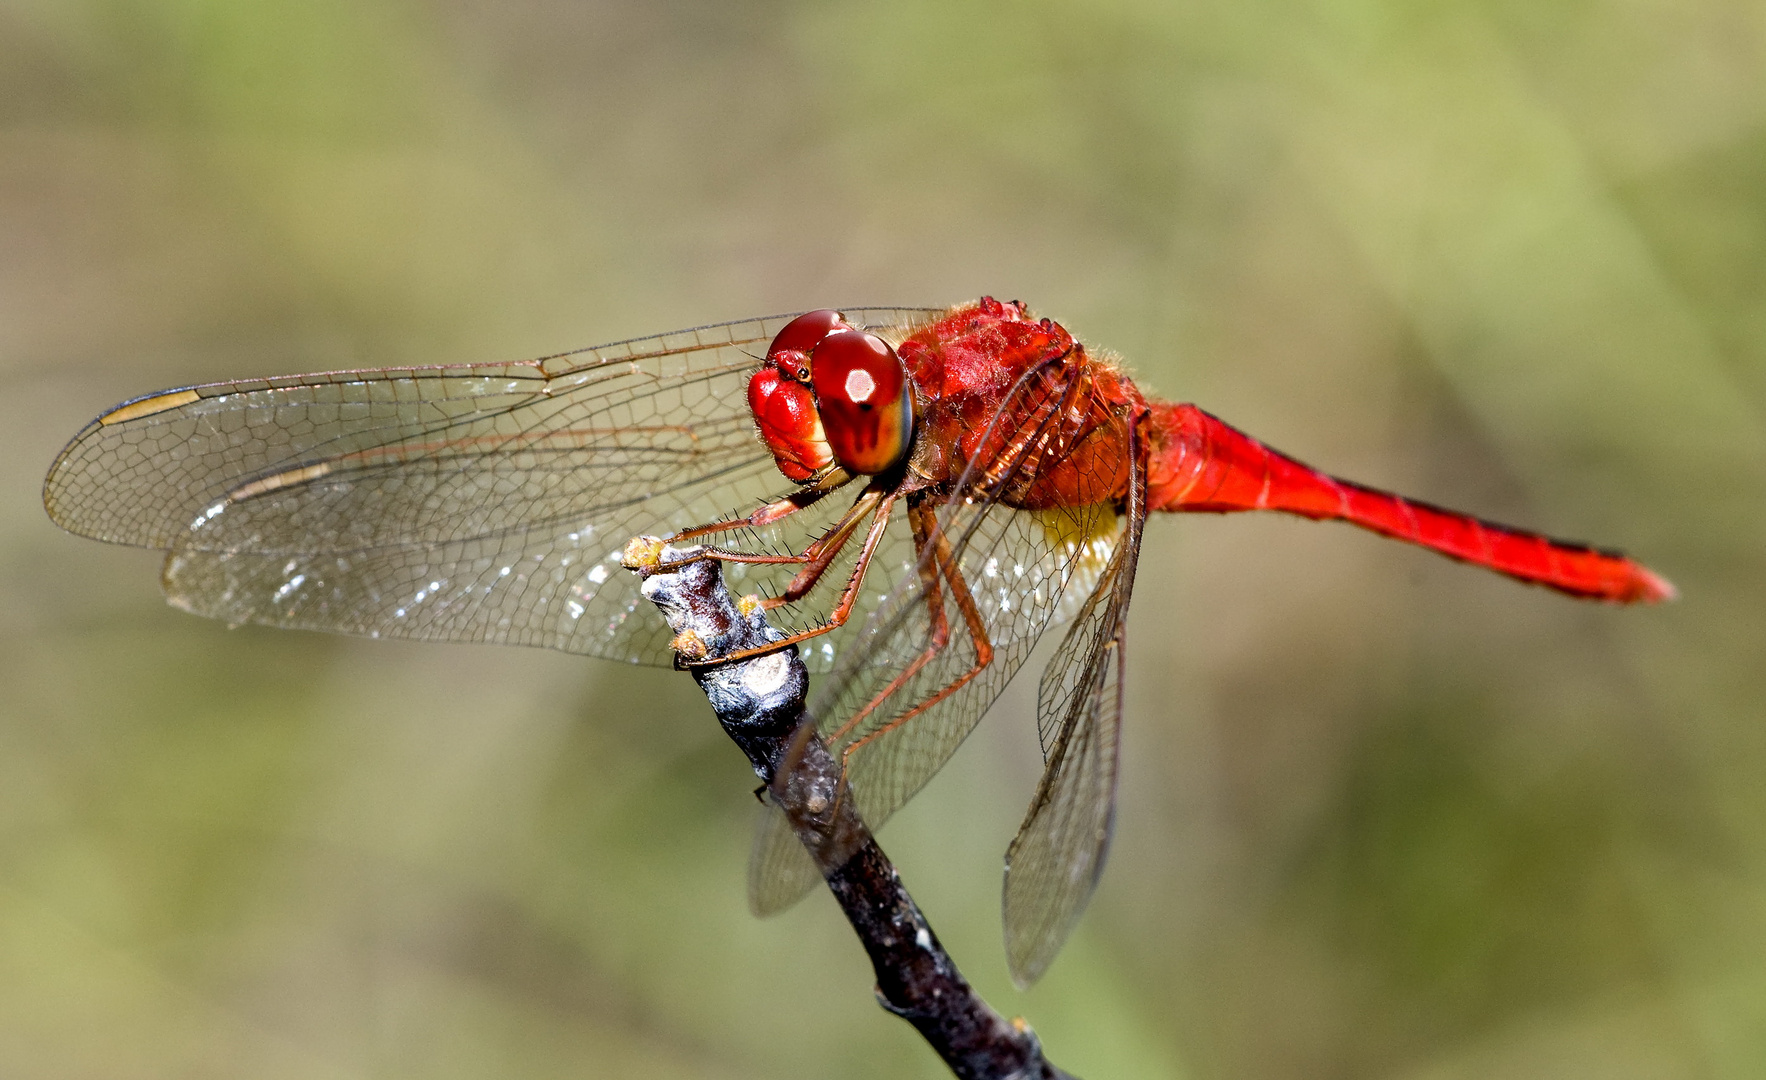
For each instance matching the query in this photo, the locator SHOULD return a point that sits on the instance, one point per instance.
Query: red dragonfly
(1004, 473)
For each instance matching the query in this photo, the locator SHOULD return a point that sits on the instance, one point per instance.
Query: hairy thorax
(1041, 421)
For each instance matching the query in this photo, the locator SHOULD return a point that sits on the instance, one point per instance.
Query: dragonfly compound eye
(792, 345)
(866, 404)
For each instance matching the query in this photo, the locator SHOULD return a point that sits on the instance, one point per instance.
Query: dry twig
(760, 703)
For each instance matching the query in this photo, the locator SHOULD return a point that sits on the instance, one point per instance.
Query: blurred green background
(1382, 815)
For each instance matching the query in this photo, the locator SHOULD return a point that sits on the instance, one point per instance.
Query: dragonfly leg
(777, 510)
(959, 591)
(821, 554)
(884, 502)
(647, 551)
(822, 550)
(923, 521)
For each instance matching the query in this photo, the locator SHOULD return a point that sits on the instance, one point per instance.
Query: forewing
(1053, 864)
(480, 503)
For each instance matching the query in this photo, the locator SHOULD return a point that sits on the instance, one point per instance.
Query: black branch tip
(759, 701)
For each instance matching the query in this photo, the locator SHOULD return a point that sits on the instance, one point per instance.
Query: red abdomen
(1199, 463)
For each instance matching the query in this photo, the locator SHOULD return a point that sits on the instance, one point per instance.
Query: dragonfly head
(832, 395)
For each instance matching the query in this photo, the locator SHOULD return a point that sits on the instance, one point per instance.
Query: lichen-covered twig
(760, 703)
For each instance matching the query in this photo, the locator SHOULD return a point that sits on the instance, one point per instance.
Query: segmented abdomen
(1200, 463)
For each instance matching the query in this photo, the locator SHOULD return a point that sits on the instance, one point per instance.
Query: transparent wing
(483, 503)
(1053, 864)
(780, 870)
(1009, 573)
(1020, 569)
(1024, 569)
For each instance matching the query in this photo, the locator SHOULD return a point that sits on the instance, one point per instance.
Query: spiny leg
(923, 521)
(818, 555)
(821, 554)
(977, 632)
(885, 502)
(647, 551)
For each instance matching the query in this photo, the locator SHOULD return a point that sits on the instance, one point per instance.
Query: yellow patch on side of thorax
(1083, 542)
